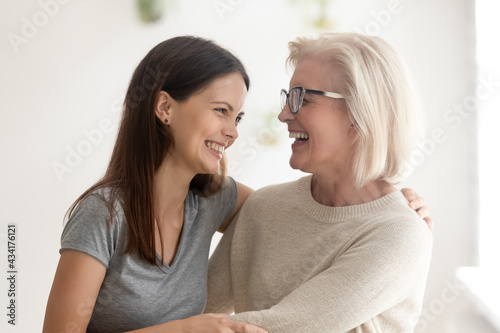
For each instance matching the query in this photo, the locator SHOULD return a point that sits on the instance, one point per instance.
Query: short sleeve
(218, 208)
(229, 195)
(89, 230)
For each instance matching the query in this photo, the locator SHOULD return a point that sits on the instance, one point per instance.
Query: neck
(171, 186)
(333, 192)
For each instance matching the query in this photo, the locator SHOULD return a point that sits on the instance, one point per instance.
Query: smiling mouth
(299, 137)
(215, 147)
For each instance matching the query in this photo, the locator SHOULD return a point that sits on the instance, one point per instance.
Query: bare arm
(74, 292)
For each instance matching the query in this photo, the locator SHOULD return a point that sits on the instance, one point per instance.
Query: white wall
(69, 77)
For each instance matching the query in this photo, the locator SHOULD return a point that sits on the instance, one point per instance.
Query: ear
(163, 107)
(353, 131)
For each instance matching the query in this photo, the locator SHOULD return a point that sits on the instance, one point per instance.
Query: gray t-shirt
(135, 294)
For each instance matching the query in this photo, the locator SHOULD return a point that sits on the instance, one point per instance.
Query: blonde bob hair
(379, 99)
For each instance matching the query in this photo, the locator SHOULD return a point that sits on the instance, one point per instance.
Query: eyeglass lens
(293, 98)
(284, 98)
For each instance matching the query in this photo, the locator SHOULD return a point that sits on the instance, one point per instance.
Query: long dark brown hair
(180, 66)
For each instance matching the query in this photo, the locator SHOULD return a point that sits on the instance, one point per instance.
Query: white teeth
(297, 135)
(215, 147)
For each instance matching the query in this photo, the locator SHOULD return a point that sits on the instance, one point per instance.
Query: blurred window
(488, 94)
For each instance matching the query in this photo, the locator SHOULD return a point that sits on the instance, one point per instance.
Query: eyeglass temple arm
(324, 93)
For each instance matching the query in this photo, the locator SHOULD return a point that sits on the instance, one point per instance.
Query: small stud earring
(166, 120)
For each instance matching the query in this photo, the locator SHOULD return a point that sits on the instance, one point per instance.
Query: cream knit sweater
(292, 265)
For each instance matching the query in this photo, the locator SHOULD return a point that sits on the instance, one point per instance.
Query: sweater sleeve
(220, 295)
(372, 275)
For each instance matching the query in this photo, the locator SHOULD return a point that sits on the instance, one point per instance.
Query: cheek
(329, 140)
(199, 124)
(230, 143)
(212, 124)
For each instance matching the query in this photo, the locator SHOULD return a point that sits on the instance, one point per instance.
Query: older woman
(338, 250)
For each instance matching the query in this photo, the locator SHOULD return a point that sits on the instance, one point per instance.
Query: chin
(294, 164)
(212, 170)
(303, 166)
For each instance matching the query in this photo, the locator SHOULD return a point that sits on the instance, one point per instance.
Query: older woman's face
(322, 129)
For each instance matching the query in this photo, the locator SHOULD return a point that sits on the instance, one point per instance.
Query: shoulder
(273, 193)
(269, 202)
(228, 192)
(390, 223)
(215, 209)
(399, 230)
(229, 189)
(406, 229)
(228, 186)
(401, 218)
(99, 210)
(95, 226)
(103, 203)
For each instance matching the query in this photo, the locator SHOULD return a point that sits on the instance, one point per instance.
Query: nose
(230, 131)
(285, 114)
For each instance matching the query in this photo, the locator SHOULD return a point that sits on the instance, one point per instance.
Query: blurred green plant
(150, 10)
(321, 20)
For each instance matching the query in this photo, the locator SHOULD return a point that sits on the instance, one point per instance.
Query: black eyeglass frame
(303, 92)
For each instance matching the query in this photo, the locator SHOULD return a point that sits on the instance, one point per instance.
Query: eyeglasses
(295, 97)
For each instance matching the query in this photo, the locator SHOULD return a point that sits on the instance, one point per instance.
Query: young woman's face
(206, 124)
(322, 128)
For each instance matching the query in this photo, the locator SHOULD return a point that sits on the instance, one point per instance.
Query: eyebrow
(228, 105)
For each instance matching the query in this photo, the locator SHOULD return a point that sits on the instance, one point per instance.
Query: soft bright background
(65, 66)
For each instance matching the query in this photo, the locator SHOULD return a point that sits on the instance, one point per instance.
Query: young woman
(134, 251)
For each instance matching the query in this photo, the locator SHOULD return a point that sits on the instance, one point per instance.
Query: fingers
(417, 204)
(430, 222)
(223, 323)
(423, 212)
(240, 327)
(415, 201)
(409, 194)
(216, 315)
